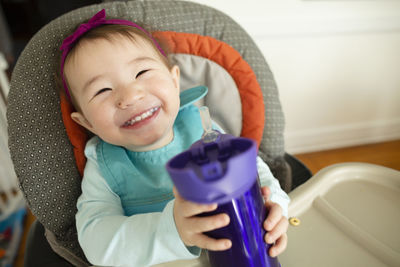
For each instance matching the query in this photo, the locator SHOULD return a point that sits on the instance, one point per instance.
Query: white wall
(8, 179)
(336, 63)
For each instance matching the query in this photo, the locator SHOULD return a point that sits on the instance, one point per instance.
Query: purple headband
(95, 21)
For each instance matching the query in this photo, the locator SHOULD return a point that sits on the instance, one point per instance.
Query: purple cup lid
(215, 172)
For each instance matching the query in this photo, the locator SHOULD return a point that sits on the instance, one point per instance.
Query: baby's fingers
(191, 209)
(266, 192)
(188, 208)
(209, 223)
(279, 246)
(279, 230)
(274, 215)
(203, 241)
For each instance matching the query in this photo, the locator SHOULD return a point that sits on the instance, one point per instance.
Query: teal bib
(140, 178)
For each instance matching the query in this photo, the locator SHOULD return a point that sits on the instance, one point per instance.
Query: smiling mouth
(141, 117)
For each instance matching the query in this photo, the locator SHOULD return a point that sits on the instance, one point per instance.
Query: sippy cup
(222, 169)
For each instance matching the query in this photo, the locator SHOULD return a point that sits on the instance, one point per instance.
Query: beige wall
(336, 63)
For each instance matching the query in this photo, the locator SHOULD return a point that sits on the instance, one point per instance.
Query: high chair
(47, 147)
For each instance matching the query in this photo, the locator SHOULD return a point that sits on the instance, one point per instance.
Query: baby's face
(127, 95)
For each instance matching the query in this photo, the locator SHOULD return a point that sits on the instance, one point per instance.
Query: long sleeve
(267, 179)
(108, 238)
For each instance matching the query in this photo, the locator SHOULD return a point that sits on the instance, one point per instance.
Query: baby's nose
(127, 97)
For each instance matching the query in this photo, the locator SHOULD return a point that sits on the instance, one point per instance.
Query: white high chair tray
(349, 216)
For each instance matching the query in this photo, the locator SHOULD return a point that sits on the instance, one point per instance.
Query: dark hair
(109, 32)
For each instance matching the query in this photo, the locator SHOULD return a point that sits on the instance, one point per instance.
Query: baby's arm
(277, 195)
(276, 201)
(276, 225)
(109, 238)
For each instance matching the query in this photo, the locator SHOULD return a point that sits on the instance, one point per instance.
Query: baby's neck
(161, 142)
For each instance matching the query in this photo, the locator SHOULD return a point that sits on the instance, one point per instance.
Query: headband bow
(98, 19)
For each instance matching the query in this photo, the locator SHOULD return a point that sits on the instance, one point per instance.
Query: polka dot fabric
(40, 149)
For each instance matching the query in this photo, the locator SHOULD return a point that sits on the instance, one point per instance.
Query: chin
(155, 142)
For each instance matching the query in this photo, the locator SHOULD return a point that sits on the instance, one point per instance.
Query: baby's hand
(191, 227)
(276, 225)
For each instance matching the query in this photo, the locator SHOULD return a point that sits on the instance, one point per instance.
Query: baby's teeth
(141, 117)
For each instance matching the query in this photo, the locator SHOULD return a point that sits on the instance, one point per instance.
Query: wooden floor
(385, 154)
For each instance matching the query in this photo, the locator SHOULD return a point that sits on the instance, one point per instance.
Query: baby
(126, 92)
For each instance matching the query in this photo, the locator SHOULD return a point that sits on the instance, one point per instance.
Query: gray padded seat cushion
(40, 148)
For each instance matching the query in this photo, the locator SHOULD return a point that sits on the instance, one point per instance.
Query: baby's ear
(81, 120)
(175, 72)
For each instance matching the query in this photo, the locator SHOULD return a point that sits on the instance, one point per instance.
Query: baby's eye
(102, 91)
(140, 73)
